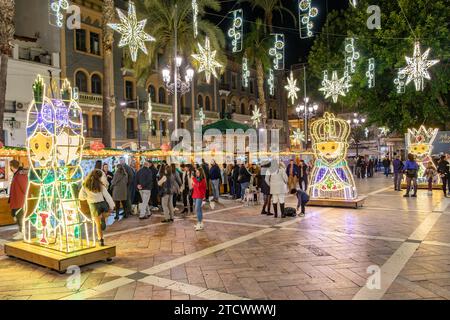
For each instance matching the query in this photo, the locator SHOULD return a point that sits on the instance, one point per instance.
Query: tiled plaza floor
(243, 255)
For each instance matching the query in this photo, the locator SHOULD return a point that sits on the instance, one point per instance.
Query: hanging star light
(207, 60)
(256, 116)
(271, 82)
(334, 87)
(370, 73)
(245, 72)
(133, 34)
(298, 137)
(417, 67)
(236, 32)
(195, 17)
(292, 88)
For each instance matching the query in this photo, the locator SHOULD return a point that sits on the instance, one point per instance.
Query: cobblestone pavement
(244, 255)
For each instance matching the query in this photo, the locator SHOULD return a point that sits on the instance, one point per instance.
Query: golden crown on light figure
(330, 128)
(422, 135)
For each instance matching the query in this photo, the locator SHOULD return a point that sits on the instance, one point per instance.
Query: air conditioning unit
(19, 105)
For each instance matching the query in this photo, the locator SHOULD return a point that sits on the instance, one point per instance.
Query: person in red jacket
(17, 194)
(198, 194)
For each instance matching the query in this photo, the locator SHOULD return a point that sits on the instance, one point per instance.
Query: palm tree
(269, 7)
(7, 12)
(108, 39)
(161, 25)
(257, 43)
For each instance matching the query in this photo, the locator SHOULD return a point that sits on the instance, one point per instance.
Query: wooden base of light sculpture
(58, 260)
(340, 203)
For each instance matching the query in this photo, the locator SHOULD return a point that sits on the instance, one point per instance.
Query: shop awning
(224, 125)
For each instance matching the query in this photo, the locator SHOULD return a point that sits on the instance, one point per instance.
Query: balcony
(90, 99)
(27, 49)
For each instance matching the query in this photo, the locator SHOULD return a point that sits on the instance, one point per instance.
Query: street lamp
(138, 103)
(307, 111)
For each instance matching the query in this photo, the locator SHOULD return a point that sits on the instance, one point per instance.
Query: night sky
(296, 49)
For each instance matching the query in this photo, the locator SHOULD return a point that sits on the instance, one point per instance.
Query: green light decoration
(53, 218)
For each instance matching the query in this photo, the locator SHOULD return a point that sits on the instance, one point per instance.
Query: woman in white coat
(277, 179)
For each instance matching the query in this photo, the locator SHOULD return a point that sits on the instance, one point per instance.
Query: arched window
(96, 84)
(200, 101)
(275, 114)
(162, 95)
(81, 81)
(152, 92)
(242, 108)
(208, 103)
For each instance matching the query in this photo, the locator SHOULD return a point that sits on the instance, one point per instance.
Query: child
(303, 199)
(429, 173)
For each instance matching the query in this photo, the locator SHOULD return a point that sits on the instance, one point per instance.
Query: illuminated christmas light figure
(331, 177)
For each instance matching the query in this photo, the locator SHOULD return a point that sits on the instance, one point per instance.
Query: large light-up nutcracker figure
(331, 178)
(55, 142)
(420, 144)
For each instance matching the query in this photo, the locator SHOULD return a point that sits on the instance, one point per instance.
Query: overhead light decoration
(292, 88)
(195, 17)
(298, 137)
(236, 32)
(331, 178)
(207, 60)
(384, 131)
(132, 31)
(53, 218)
(271, 82)
(366, 132)
(306, 12)
(201, 116)
(353, 3)
(57, 7)
(351, 55)
(245, 72)
(400, 82)
(256, 116)
(417, 67)
(370, 73)
(277, 51)
(150, 108)
(334, 87)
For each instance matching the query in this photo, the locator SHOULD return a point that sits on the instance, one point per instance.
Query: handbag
(102, 207)
(411, 173)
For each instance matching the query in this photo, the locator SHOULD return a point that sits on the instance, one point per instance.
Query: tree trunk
(261, 93)
(108, 39)
(3, 76)
(269, 21)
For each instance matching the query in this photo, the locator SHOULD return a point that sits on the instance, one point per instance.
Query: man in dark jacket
(386, 165)
(155, 190)
(443, 169)
(144, 180)
(17, 194)
(293, 174)
(236, 184)
(303, 175)
(131, 183)
(398, 173)
(205, 168)
(244, 179)
(215, 176)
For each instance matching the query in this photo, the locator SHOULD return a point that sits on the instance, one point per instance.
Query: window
(94, 43)
(252, 86)
(234, 81)
(129, 90)
(162, 128)
(160, 60)
(275, 114)
(81, 81)
(85, 124)
(242, 108)
(80, 40)
(200, 101)
(162, 95)
(223, 106)
(96, 84)
(130, 129)
(153, 128)
(270, 114)
(222, 78)
(96, 126)
(152, 92)
(208, 104)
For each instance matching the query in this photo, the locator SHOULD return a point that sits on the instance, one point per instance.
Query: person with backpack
(411, 170)
(444, 172)
(168, 186)
(398, 173)
(198, 194)
(277, 180)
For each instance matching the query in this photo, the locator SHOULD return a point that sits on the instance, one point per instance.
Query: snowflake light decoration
(298, 137)
(292, 88)
(256, 116)
(417, 67)
(133, 34)
(334, 87)
(207, 60)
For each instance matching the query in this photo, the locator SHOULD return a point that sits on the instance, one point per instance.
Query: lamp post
(356, 122)
(308, 111)
(138, 106)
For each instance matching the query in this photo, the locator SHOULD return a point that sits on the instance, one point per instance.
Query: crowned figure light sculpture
(419, 142)
(331, 177)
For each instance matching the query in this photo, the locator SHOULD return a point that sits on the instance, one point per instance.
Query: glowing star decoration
(417, 67)
(370, 73)
(236, 32)
(57, 7)
(52, 215)
(195, 17)
(256, 116)
(305, 13)
(277, 51)
(334, 87)
(298, 137)
(271, 82)
(207, 60)
(331, 178)
(132, 31)
(292, 88)
(201, 116)
(420, 144)
(245, 72)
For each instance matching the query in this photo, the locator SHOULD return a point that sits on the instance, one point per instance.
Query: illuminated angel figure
(331, 178)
